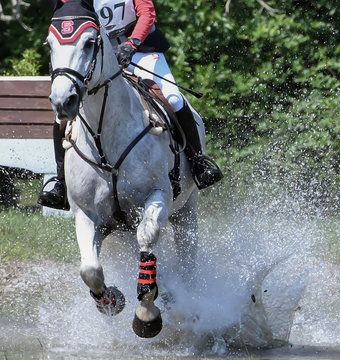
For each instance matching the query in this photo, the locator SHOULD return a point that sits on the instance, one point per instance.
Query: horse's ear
(87, 4)
(55, 4)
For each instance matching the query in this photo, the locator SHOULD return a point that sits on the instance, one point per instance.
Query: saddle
(165, 119)
(158, 110)
(153, 97)
(158, 113)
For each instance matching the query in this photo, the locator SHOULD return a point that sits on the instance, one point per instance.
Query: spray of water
(263, 279)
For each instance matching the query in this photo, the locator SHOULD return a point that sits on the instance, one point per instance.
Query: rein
(119, 215)
(71, 74)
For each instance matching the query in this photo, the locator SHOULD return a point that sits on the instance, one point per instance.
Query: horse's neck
(121, 118)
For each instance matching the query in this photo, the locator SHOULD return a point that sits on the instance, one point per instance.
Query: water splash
(263, 279)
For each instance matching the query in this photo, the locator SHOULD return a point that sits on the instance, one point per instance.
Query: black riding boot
(204, 170)
(56, 198)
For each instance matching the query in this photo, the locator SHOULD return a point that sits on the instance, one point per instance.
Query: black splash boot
(204, 170)
(56, 198)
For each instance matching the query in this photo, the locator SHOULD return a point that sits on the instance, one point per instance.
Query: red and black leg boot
(147, 274)
(148, 321)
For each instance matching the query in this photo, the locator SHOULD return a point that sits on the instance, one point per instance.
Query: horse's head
(74, 41)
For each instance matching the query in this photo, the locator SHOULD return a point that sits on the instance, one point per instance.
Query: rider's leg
(205, 171)
(56, 198)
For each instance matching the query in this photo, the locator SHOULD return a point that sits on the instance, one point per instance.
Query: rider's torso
(117, 16)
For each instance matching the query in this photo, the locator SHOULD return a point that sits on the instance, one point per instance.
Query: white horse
(88, 86)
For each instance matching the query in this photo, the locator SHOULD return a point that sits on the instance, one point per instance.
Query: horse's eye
(89, 44)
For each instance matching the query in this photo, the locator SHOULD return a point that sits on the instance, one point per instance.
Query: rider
(130, 26)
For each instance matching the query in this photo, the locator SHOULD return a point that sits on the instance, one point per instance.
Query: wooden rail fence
(25, 111)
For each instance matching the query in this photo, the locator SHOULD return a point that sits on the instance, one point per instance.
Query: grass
(27, 235)
(32, 236)
(29, 191)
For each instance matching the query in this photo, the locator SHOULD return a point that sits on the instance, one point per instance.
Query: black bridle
(71, 74)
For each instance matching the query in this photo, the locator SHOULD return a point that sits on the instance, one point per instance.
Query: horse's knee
(176, 101)
(93, 277)
(147, 234)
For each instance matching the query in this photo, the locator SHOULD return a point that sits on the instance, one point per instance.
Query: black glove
(124, 54)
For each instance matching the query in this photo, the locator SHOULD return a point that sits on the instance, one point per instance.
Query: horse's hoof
(111, 302)
(147, 329)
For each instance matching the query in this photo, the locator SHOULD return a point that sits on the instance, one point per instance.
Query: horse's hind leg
(109, 300)
(185, 227)
(148, 321)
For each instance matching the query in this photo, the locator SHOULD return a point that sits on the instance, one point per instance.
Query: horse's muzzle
(65, 107)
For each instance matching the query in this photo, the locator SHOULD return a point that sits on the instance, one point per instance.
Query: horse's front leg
(148, 321)
(109, 300)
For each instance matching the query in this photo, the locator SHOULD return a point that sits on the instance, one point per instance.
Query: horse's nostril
(72, 101)
(65, 107)
(59, 109)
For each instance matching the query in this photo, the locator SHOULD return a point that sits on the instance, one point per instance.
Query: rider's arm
(146, 16)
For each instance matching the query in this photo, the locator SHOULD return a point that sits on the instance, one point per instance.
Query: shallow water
(264, 288)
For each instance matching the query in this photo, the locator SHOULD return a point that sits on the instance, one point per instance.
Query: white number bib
(115, 15)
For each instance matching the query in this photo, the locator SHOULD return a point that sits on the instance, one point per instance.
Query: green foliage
(29, 65)
(16, 40)
(271, 83)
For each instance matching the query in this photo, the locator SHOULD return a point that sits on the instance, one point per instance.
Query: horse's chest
(96, 190)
